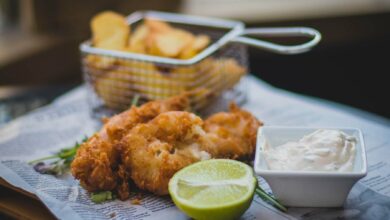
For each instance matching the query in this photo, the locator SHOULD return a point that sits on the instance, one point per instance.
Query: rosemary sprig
(57, 167)
(269, 199)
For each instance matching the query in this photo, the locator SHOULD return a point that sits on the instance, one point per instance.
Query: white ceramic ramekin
(308, 188)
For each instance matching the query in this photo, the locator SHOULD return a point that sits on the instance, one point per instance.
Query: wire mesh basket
(114, 78)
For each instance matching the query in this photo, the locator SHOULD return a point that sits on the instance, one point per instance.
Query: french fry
(170, 44)
(157, 26)
(201, 42)
(113, 89)
(99, 62)
(117, 80)
(197, 45)
(188, 53)
(110, 31)
(231, 71)
(137, 41)
(231, 66)
(148, 79)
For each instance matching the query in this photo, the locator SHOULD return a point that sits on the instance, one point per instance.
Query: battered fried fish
(154, 151)
(97, 163)
(149, 144)
(233, 134)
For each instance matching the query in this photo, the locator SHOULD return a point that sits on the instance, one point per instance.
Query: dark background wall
(351, 65)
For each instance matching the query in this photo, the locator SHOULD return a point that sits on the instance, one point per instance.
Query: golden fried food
(144, 36)
(147, 79)
(115, 89)
(93, 164)
(110, 31)
(196, 45)
(98, 63)
(154, 151)
(232, 133)
(157, 26)
(138, 41)
(172, 43)
(116, 80)
(231, 71)
(96, 162)
(149, 144)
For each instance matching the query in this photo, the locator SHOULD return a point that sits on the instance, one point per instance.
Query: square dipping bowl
(308, 188)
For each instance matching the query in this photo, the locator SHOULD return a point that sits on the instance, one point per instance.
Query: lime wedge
(213, 189)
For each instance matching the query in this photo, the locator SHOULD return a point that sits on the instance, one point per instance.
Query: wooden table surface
(18, 204)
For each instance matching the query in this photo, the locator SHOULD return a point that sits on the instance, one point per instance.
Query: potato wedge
(110, 31)
(157, 26)
(137, 41)
(198, 44)
(201, 42)
(171, 44)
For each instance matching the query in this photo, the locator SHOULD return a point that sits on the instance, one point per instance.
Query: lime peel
(205, 190)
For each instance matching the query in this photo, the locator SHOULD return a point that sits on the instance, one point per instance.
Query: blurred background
(40, 59)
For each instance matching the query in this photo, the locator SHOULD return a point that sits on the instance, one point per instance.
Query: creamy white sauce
(322, 150)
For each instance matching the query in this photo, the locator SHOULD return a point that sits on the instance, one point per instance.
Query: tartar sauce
(322, 150)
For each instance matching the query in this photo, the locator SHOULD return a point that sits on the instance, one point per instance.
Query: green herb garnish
(135, 100)
(99, 197)
(269, 199)
(61, 165)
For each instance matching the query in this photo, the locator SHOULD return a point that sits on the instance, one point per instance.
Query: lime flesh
(213, 189)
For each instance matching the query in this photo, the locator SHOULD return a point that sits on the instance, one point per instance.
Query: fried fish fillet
(149, 144)
(153, 152)
(97, 163)
(233, 133)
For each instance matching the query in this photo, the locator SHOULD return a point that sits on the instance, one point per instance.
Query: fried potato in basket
(116, 80)
(139, 42)
(149, 80)
(199, 43)
(230, 70)
(157, 26)
(172, 43)
(110, 31)
(115, 89)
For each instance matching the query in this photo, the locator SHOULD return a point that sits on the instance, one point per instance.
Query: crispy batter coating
(93, 165)
(96, 163)
(149, 144)
(153, 152)
(233, 133)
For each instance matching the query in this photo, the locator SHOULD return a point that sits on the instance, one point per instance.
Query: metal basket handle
(280, 32)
